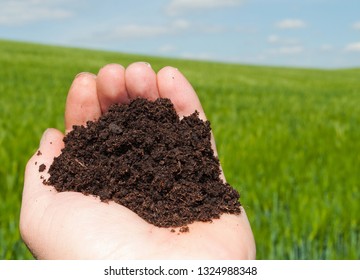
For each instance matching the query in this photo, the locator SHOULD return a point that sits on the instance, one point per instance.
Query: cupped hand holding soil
(70, 225)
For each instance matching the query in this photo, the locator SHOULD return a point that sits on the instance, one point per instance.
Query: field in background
(288, 140)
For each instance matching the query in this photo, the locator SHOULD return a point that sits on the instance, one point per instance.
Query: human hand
(70, 225)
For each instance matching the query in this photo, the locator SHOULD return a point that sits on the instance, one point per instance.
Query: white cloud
(246, 29)
(181, 6)
(326, 47)
(356, 25)
(353, 47)
(18, 12)
(211, 29)
(291, 24)
(136, 31)
(181, 24)
(275, 39)
(167, 48)
(132, 31)
(288, 50)
(198, 56)
(291, 50)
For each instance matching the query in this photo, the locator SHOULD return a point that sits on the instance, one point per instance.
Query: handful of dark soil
(142, 156)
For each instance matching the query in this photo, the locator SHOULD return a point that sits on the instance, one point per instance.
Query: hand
(70, 225)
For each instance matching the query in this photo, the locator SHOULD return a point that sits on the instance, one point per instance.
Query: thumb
(37, 167)
(36, 196)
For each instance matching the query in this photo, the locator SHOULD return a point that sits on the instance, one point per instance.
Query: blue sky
(301, 33)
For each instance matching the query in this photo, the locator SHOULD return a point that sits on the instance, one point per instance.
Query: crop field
(288, 140)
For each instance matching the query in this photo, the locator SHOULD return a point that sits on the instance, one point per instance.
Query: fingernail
(147, 64)
(44, 136)
(85, 73)
(112, 65)
(115, 64)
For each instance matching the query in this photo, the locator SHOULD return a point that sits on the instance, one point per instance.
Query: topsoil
(142, 156)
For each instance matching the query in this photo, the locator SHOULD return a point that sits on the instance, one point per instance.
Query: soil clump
(142, 156)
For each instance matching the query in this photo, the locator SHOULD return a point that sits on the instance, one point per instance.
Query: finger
(173, 85)
(82, 102)
(36, 196)
(141, 81)
(111, 87)
(37, 167)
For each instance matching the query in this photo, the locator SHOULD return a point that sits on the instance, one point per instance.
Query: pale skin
(70, 225)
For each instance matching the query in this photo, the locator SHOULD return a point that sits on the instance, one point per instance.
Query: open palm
(70, 225)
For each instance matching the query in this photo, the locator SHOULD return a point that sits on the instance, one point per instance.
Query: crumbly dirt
(142, 156)
(42, 167)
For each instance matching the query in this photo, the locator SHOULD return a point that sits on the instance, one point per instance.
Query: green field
(288, 140)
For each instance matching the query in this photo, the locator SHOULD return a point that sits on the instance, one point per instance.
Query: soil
(142, 156)
(42, 167)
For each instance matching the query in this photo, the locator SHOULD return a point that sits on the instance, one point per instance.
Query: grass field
(288, 140)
